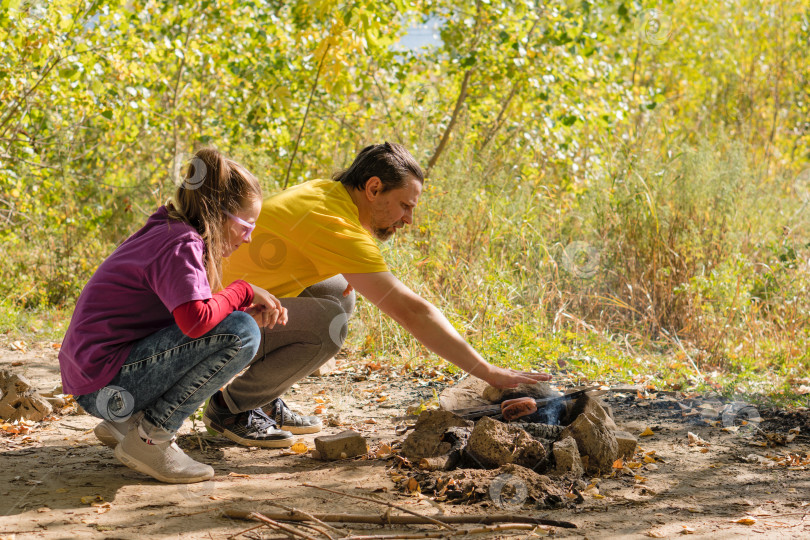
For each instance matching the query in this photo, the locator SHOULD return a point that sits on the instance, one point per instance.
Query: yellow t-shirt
(304, 235)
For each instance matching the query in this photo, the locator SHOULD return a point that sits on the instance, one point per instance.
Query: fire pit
(563, 434)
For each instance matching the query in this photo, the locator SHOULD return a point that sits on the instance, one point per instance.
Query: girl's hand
(266, 309)
(510, 378)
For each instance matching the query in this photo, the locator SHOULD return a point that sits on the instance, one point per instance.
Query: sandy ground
(50, 477)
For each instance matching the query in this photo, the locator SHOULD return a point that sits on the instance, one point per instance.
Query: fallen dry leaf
(238, 475)
(299, 448)
(618, 464)
(745, 521)
(90, 499)
(102, 507)
(413, 486)
(646, 433)
(695, 440)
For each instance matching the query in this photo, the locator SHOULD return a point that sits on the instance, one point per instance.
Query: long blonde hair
(213, 185)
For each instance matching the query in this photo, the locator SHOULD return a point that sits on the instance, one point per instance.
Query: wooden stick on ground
(310, 516)
(386, 519)
(443, 534)
(256, 516)
(388, 504)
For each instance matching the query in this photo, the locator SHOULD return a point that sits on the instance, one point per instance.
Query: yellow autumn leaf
(90, 499)
(745, 521)
(646, 433)
(299, 448)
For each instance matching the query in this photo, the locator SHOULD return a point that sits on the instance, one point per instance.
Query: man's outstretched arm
(432, 329)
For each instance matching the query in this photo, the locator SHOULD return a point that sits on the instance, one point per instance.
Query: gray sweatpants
(315, 331)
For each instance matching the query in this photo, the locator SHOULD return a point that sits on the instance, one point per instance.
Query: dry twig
(387, 519)
(388, 504)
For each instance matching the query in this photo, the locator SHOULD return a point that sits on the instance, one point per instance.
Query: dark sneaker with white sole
(250, 428)
(292, 421)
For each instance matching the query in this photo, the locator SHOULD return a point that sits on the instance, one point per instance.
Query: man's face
(393, 209)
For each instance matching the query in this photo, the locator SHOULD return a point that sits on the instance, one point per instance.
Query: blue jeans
(168, 375)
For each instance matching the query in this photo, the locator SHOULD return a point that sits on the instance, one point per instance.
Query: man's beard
(383, 234)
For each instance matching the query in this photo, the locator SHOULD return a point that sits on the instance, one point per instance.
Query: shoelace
(260, 420)
(282, 411)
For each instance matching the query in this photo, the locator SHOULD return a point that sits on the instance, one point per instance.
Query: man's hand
(266, 309)
(510, 378)
(432, 329)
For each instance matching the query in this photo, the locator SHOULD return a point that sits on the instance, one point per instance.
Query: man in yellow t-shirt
(313, 246)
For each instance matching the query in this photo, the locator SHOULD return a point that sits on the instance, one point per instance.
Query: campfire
(532, 426)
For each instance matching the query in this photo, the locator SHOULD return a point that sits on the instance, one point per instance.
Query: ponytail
(212, 186)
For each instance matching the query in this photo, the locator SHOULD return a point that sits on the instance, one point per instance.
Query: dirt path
(702, 490)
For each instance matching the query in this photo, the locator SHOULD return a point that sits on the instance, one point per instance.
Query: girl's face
(235, 232)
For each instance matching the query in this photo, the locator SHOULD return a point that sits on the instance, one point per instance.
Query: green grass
(34, 324)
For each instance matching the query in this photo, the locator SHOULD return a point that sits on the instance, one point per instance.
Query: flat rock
(538, 390)
(341, 446)
(430, 438)
(464, 395)
(595, 441)
(566, 456)
(494, 443)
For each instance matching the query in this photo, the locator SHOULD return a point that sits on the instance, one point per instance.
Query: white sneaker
(162, 461)
(112, 433)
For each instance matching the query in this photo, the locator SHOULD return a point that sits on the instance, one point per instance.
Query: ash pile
(532, 431)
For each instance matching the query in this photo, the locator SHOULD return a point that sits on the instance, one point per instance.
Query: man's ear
(373, 187)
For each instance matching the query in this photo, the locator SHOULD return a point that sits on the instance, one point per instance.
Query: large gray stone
(594, 440)
(494, 443)
(429, 436)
